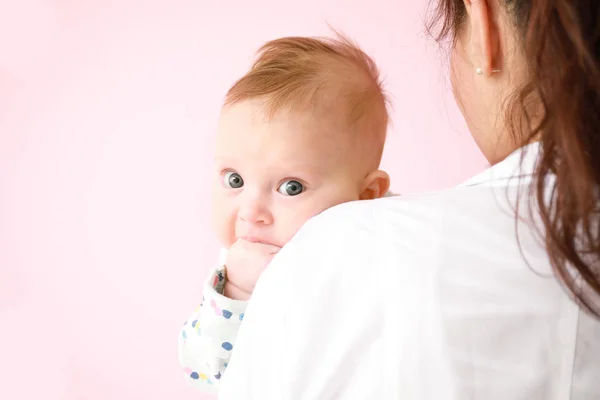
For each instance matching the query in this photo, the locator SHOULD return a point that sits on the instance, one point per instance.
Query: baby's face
(273, 175)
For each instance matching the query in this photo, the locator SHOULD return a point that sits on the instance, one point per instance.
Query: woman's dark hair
(560, 41)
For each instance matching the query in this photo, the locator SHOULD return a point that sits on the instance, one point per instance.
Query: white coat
(430, 296)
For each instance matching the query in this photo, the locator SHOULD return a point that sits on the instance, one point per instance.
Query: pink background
(107, 120)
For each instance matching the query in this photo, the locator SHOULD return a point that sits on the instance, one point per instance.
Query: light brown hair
(317, 72)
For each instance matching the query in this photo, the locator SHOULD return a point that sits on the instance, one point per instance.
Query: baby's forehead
(301, 130)
(248, 121)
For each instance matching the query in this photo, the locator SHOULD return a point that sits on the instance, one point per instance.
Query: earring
(479, 71)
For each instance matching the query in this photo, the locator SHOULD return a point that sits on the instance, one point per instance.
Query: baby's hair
(321, 72)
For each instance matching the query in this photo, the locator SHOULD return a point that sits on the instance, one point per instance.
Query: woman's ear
(375, 185)
(482, 41)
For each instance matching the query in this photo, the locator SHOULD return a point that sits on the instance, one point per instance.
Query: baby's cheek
(225, 238)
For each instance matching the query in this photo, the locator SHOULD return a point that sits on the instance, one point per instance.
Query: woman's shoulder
(409, 241)
(361, 246)
(404, 223)
(374, 218)
(358, 232)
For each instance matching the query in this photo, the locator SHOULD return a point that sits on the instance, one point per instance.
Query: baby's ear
(375, 185)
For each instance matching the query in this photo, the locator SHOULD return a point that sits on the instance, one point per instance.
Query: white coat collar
(518, 166)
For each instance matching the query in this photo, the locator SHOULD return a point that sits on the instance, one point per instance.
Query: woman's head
(487, 65)
(526, 70)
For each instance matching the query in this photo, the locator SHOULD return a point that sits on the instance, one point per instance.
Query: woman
(486, 291)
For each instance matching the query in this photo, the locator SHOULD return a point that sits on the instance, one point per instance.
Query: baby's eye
(291, 188)
(233, 180)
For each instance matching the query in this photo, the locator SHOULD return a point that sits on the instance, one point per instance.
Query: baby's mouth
(255, 239)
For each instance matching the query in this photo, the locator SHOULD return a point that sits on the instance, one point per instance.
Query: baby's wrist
(233, 292)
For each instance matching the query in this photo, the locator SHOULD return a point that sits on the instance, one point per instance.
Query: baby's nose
(255, 212)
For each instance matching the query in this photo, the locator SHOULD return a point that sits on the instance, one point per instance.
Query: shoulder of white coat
(323, 233)
(350, 234)
(352, 245)
(368, 223)
(332, 251)
(344, 219)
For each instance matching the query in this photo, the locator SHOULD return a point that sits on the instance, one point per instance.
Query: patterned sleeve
(208, 336)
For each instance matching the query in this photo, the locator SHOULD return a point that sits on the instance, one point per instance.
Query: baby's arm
(208, 336)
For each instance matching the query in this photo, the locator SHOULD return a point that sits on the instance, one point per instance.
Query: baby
(302, 131)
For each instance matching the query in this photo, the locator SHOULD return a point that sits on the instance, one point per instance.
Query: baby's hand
(245, 262)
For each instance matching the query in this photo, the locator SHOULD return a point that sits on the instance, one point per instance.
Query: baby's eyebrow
(224, 160)
(297, 168)
(312, 165)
